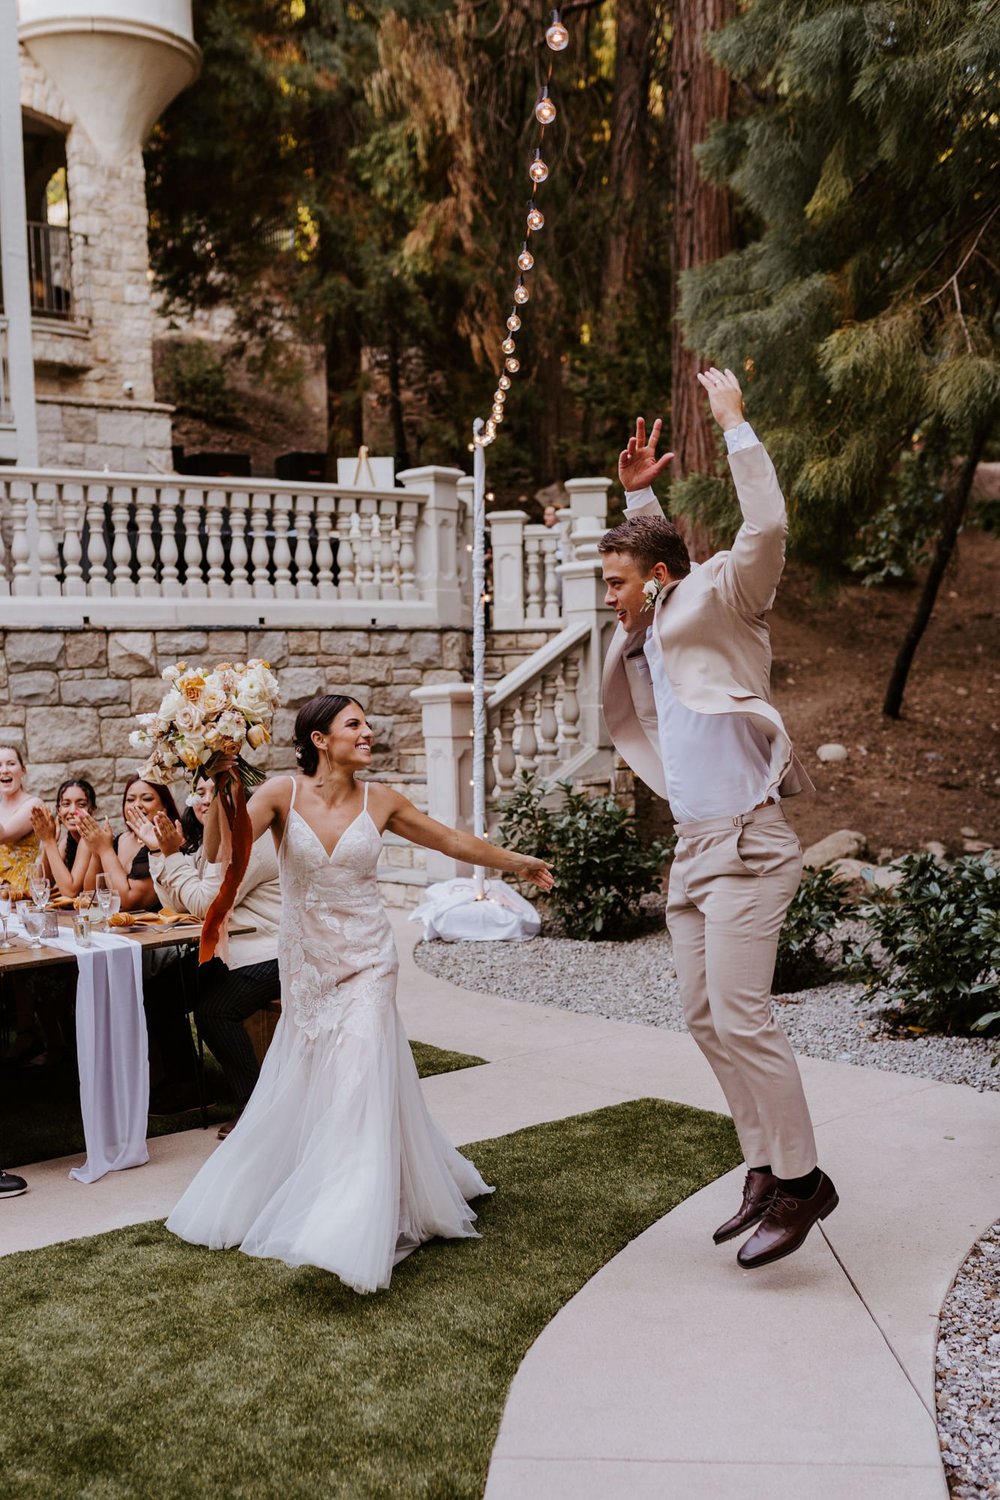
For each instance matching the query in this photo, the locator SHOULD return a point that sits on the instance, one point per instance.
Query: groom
(687, 701)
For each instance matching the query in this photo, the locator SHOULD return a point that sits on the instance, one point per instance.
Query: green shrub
(196, 381)
(820, 904)
(933, 943)
(601, 866)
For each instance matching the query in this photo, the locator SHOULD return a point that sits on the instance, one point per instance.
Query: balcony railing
(56, 273)
(80, 547)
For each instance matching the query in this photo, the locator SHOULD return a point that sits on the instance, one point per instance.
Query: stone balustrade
(127, 549)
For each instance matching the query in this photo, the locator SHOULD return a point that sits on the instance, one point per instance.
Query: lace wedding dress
(336, 1161)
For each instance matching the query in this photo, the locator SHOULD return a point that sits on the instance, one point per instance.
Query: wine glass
(40, 885)
(103, 892)
(5, 908)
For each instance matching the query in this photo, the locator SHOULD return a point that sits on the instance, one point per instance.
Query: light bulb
(504, 384)
(498, 415)
(508, 346)
(545, 110)
(521, 293)
(526, 260)
(513, 322)
(557, 36)
(536, 219)
(538, 171)
(512, 364)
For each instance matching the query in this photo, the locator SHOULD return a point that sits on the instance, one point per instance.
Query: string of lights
(557, 40)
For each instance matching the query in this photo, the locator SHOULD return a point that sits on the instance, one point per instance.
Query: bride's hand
(536, 871)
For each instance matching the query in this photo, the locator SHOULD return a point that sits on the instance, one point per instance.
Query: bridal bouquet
(205, 725)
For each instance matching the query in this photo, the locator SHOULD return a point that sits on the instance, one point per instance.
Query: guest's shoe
(757, 1190)
(786, 1223)
(11, 1186)
(174, 1099)
(229, 1126)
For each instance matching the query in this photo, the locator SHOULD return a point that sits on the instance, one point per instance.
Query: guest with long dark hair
(123, 857)
(67, 857)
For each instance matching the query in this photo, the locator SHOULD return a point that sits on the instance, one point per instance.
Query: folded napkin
(163, 918)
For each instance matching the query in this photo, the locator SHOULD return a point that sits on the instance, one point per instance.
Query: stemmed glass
(40, 885)
(5, 906)
(103, 892)
(34, 921)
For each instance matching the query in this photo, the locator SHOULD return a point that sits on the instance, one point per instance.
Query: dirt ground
(936, 770)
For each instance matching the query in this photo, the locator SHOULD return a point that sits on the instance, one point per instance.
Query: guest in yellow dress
(19, 848)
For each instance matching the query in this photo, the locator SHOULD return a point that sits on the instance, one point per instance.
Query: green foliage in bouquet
(601, 865)
(932, 948)
(808, 954)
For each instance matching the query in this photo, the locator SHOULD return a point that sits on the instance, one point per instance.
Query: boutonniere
(651, 590)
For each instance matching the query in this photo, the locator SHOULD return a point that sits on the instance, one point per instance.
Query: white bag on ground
(451, 912)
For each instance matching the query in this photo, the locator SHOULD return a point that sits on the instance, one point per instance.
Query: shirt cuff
(738, 438)
(634, 499)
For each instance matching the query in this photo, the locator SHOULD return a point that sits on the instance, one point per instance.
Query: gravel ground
(635, 982)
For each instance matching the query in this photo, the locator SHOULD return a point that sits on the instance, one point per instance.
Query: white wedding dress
(335, 1161)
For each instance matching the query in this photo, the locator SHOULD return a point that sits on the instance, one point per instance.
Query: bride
(336, 1161)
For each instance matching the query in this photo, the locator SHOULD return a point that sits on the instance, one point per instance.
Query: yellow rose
(258, 735)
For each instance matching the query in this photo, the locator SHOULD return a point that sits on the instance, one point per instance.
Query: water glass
(103, 892)
(34, 921)
(82, 929)
(5, 909)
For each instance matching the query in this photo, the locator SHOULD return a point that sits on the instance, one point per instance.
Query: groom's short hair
(649, 540)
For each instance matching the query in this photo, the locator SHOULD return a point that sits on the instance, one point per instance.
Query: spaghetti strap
(292, 802)
(364, 807)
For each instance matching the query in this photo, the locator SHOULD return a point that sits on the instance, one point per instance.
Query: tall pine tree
(863, 313)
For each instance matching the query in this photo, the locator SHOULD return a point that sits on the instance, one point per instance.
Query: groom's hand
(724, 397)
(638, 465)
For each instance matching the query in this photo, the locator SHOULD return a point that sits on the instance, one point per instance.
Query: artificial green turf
(40, 1107)
(135, 1364)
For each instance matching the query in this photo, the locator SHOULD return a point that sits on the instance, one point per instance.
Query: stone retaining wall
(68, 700)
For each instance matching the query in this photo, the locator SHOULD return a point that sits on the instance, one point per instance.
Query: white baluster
(325, 587)
(527, 745)
(168, 511)
(46, 496)
(364, 552)
(570, 706)
(145, 551)
(280, 519)
(215, 552)
(347, 521)
(533, 576)
(72, 529)
(302, 556)
(239, 585)
(506, 756)
(389, 532)
(98, 585)
(551, 607)
(548, 724)
(24, 580)
(408, 588)
(194, 581)
(121, 547)
(263, 588)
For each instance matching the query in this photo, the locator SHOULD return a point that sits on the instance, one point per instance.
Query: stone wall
(68, 700)
(94, 375)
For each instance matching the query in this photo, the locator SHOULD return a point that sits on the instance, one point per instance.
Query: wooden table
(23, 956)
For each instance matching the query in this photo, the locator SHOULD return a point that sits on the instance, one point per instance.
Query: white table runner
(112, 1053)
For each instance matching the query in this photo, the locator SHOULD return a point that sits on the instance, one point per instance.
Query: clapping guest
(124, 858)
(227, 993)
(18, 840)
(67, 856)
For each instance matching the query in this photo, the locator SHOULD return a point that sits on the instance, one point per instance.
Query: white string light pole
(484, 433)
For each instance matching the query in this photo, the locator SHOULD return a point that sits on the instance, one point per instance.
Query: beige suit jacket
(714, 639)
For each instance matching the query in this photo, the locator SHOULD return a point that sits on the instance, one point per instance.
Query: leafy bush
(933, 945)
(807, 955)
(195, 380)
(601, 866)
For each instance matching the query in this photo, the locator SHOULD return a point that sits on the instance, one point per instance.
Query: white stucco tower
(93, 80)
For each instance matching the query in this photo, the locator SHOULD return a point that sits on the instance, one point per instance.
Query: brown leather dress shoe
(786, 1223)
(757, 1190)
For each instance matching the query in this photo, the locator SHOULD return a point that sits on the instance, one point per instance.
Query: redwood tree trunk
(635, 22)
(956, 501)
(703, 224)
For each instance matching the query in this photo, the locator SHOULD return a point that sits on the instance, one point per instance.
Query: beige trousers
(731, 882)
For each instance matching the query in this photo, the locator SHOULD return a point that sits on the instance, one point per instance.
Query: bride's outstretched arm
(408, 823)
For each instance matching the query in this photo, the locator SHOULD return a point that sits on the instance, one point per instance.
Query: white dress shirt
(716, 765)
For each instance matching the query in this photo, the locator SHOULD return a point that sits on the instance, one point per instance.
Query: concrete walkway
(674, 1373)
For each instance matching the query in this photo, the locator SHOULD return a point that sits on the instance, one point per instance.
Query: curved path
(673, 1373)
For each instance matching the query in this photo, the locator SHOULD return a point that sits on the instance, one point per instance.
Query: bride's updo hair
(318, 714)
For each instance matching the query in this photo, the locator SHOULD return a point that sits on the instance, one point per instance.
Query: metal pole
(479, 646)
